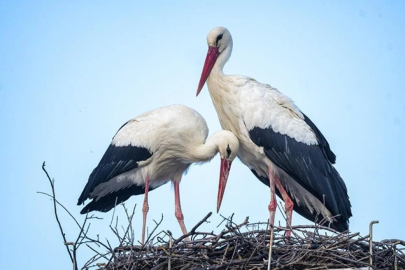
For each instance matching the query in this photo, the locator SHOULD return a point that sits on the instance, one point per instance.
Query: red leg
(288, 204)
(145, 208)
(273, 203)
(178, 213)
(272, 210)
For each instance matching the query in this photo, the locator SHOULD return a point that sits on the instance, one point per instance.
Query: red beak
(212, 56)
(223, 178)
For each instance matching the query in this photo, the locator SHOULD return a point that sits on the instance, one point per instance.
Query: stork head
(219, 42)
(228, 147)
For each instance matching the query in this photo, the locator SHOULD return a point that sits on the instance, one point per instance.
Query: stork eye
(228, 151)
(219, 37)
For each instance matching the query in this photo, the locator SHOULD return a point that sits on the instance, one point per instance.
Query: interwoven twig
(245, 246)
(237, 246)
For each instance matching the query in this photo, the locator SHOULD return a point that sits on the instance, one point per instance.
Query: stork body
(278, 142)
(151, 150)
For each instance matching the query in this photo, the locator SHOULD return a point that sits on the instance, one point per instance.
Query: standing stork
(152, 149)
(279, 143)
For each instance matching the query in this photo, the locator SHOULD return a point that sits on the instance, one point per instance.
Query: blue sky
(71, 73)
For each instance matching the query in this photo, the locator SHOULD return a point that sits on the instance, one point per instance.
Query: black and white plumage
(152, 149)
(116, 161)
(281, 145)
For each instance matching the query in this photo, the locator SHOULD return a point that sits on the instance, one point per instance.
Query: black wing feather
(309, 166)
(339, 225)
(106, 203)
(116, 160)
(323, 143)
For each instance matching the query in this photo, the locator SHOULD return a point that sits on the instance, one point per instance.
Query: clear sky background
(72, 72)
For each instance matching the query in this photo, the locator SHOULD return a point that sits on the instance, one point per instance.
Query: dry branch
(241, 247)
(237, 246)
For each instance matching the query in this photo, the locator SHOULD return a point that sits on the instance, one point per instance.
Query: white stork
(278, 142)
(152, 149)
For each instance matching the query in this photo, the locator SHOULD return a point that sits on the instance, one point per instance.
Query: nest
(237, 246)
(246, 246)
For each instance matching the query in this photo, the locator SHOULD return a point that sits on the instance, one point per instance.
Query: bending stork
(152, 149)
(279, 143)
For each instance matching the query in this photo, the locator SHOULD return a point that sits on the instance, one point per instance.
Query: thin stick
(271, 245)
(170, 246)
(371, 241)
(52, 183)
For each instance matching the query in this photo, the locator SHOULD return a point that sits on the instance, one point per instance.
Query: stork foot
(178, 213)
(272, 209)
(145, 209)
(180, 218)
(289, 205)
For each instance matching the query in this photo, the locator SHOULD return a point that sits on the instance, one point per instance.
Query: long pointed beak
(212, 56)
(223, 178)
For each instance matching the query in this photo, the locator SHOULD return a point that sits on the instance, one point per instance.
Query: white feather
(243, 103)
(176, 136)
